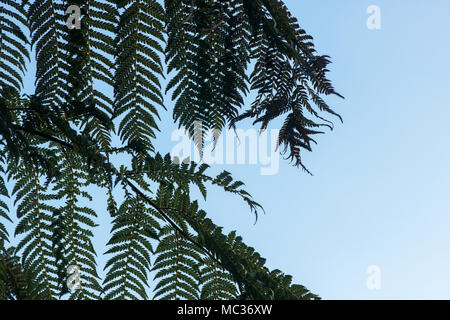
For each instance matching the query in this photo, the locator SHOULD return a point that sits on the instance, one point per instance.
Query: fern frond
(35, 214)
(245, 265)
(89, 59)
(4, 236)
(130, 249)
(137, 87)
(14, 52)
(13, 281)
(286, 72)
(216, 283)
(175, 267)
(73, 226)
(208, 47)
(183, 174)
(47, 25)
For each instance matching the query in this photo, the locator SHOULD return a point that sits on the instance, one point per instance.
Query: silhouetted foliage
(57, 142)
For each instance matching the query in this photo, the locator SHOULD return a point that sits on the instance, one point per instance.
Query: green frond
(176, 267)
(178, 258)
(164, 170)
(14, 52)
(137, 88)
(245, 265)
(90, 52)
(35, 220)
(216, 283)
(130, 248)
(47, 25)
(4, 210)
(208, 47)
(13, 281)
(73, 225)
(287, 70)
(183, 174)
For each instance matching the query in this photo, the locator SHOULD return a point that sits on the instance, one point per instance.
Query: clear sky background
(380, 194)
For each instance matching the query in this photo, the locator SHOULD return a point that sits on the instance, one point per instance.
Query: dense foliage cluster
(57, 143)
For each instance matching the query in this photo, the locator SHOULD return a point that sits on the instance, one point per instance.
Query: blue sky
(380, 190)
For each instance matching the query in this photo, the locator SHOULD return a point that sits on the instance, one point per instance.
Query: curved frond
(216, 283)
(14, 53)
(208, 47)
(13, 281)
(137, 87)
(4, 210)
(47, 25)
(130, 249)
(36, 218)
(73, 224)
(90, 64)
(176, 267)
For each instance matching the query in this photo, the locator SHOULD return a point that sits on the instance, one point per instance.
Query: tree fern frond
(133, 227)
(35, 214)
(14, 51)
(13, 281)
(47, 24)
(246, 266)
(73, 225)
(166, 171)
(208, 47)
(137, 87)
(4, 236)
(90, 54)
(175, 267)
(216, 283)
(287, 69)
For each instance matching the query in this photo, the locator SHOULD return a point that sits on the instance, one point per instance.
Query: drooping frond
(13, 281)
(139, 39)
(73, 224)
(176, 267)
(287, 75)
(177, 257)
(13, 43)
(130, 248)
(183, 174)
(4, 236)
(238, 261)
(226, 181)
(164, 170)
(208, 47)
(216, 283)
(36, 219)
(90, 52)
(47, 24)
(290, 93)
(246, 266)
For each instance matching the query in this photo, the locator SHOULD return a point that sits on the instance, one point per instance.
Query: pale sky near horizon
(380, 194)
